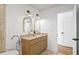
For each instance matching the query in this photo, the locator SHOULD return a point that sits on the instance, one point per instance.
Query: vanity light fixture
(37, 16)
(29, 13)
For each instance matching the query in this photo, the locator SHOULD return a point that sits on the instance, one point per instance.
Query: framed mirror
(27, 24)
(37, 25)
(31, 25)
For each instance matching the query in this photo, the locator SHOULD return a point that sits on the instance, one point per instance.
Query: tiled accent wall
(2, 28)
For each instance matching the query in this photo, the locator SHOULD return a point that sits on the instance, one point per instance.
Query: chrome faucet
(18, 41)
(15, 36)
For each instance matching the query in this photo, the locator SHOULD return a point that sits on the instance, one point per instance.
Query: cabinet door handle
(75, 39)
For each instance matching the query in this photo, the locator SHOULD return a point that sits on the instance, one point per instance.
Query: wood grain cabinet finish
(2, 27)
(34, 46)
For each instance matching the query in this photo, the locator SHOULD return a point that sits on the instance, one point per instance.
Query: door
(67, 29)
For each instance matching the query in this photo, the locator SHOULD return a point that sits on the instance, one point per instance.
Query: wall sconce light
(37, 16)
(29, 13)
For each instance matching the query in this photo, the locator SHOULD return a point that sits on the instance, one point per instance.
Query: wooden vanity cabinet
(34, 46)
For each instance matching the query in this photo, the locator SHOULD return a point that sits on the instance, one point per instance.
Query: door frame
(75, 18)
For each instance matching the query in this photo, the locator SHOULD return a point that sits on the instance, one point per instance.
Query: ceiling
(41, 7)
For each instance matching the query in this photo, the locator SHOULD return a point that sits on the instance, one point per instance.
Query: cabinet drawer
(35, 41)
(38, 40)
(38, 47)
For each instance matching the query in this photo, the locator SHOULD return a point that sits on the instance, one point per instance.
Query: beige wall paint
(2, 28)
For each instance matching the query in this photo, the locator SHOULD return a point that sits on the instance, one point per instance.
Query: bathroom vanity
(33, 44)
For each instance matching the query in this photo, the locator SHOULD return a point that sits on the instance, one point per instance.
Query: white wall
(48, 23)
(14, 22)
